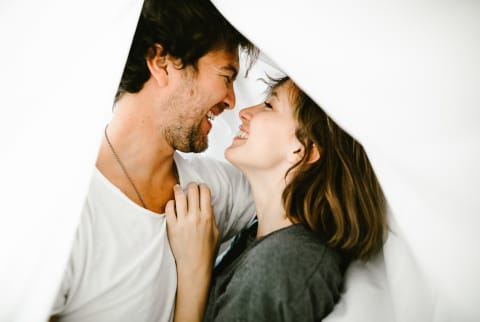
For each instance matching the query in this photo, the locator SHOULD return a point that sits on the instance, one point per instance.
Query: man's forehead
(223, 61)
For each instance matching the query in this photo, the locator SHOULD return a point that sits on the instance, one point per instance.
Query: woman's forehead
(285, 91)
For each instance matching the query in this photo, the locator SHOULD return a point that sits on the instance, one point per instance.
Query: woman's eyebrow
(274, 94)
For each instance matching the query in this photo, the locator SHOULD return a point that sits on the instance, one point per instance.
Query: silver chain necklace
(124, 169)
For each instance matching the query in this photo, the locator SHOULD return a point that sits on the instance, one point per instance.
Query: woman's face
(266, 138)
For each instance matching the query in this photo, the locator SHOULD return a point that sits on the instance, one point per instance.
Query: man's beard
(187, 139)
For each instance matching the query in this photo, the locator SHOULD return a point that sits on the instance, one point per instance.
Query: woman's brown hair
(337, 196)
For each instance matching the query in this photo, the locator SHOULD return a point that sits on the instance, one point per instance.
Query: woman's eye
(267, 104)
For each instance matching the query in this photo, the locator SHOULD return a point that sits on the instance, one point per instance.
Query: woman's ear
(297, 154)
(157, 63)
(315, 154)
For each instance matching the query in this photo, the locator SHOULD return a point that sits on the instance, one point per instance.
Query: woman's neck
(267, 194)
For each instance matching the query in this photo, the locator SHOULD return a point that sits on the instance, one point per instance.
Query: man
(178, 77)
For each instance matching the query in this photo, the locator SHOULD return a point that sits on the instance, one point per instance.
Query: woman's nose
(247, 113)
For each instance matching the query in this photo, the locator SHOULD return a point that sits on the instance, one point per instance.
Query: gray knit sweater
(288, 275)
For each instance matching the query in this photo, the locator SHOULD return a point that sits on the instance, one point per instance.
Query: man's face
(201, 96)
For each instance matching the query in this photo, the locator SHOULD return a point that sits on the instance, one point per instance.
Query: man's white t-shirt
(121, 267)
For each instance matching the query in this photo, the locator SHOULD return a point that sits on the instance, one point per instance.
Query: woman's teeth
(242, 135)
(210, 116)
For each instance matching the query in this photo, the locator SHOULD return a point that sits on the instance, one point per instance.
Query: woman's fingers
(170, 210)
(180, 202)
(170, 217)
(205, 200)
(193, 198)
(191, 228)
(197, 201)
(206, 212)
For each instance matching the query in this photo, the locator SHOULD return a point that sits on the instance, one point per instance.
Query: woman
(319, 206)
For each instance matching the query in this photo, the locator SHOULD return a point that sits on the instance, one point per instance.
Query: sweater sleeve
(247, 301)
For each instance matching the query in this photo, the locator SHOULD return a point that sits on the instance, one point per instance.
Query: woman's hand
(191, 227)
(193, 237)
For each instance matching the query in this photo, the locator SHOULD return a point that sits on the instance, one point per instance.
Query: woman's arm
(193, 237)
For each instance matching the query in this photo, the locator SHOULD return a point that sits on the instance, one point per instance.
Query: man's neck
(144, 155)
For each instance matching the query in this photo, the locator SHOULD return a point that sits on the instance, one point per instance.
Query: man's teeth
(210, 115)
(242, 135)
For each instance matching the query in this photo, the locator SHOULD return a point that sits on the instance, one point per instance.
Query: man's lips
(214, 112)
(210, 116)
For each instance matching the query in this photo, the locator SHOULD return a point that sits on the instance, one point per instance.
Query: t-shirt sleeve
(75, 264)
(231, 193)
(61, 300)
(240, 208)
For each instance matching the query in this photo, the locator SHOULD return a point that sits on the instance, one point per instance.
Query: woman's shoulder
(295, 241)
(289, 275)
(293, 257)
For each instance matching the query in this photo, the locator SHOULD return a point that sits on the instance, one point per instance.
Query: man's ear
(157, 63)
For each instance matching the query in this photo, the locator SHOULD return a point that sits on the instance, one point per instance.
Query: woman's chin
(230, 155)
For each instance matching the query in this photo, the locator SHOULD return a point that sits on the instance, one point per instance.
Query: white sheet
(60, 62)
(402, 77)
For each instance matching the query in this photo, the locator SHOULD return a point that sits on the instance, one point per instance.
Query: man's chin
(197, 146)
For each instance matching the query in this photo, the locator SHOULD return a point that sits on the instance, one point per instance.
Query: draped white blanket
(402, 77)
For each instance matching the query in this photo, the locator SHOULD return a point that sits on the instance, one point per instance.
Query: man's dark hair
(186, 29)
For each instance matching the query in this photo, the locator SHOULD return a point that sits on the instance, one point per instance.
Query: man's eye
(267, 104)
(228, 79)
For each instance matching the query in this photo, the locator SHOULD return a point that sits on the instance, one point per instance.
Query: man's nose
(229, 100)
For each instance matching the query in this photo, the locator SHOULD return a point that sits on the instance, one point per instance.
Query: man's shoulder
(200, 159)
(202, 168)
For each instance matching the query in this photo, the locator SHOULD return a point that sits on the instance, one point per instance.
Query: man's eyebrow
(232, 69)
